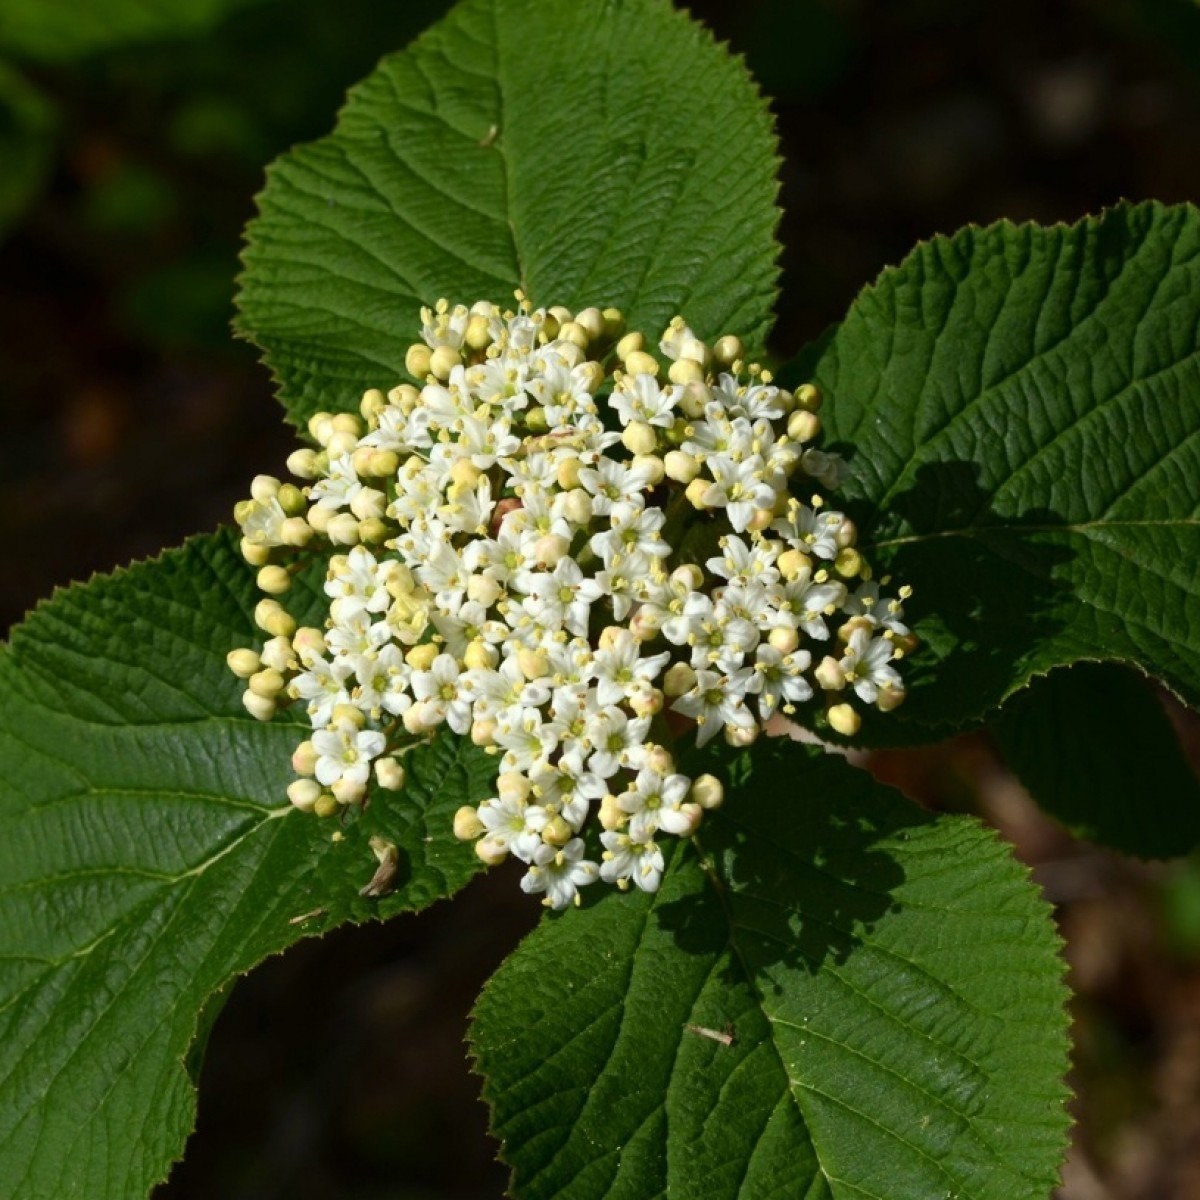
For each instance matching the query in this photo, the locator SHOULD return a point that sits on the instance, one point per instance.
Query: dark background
(131, 419)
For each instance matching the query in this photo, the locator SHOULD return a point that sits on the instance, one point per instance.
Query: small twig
(308, 916)
(726, 1036)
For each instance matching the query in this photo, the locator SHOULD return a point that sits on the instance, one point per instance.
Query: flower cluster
(574, 556)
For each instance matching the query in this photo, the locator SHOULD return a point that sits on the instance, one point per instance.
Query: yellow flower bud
(641, 363)
(443, 360)
(303, 463)
(421, 657)
(417, 360)
(889, 698)
(652, 465)
(829, 674)
(490, 851)
(567, 473)
(803, 425)
(319, 519)
(792, 563)
(808, 396)
(343, 529)
(844, 720)
(573, 332)
(784, 639)
(372, 404)
(680, 466)
(304, 793)
(696, 491)
(480, 656)
(614, 322)
(728, 349)
(255, 553)
(478, 334)
(707, 791)
(848, 563)
(631, 343)
(326, 805)
(741, 736)
(243, 663)
(534, 664)
(612, 815)
(348, 791)
(685, 370)
(467, 825)
(296, 531)
(483, 733)
(273, 580)
(591, 321)
(264, 488)
(270, 617)
(556, 832)
(390, 774)
(304, 759)
(261, 708)
(696, 394)
(760, 519)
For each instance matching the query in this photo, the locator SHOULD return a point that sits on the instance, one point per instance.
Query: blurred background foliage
(133, 135)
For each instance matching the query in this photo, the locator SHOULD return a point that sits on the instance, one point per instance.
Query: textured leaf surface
(148, 854)
(890, 981)
(1024, 406)
(1095, 748)
(58, 30)
(593, 153)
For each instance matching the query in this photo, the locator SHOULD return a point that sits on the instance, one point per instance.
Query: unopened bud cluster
(573, 549)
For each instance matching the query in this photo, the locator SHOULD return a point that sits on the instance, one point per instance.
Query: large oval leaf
(843, 997)
(606, 154)
(148, 854)
(1023, 405)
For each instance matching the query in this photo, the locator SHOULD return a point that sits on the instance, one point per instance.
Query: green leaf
(148, 855)
(60, 30)
(889, 979)
(27, 131)
(644, 178)
(1024, 409)
(1095, 749)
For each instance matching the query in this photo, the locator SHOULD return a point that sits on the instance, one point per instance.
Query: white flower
(714, 702)
(866, 665)
(559, 873)
(345, 752)
(626, 859)
(653, 802)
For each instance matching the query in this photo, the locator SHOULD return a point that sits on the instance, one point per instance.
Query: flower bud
(847, 533)
(784, 639)
(648, 703)
(417, 359)
(348, 791)
(652, 466)
(591, 321)
(829, 674)
(467, 825)
(442, 361)
(694, 814)
(273, 580)
(483, 589)
(550, 549)
(534, 664)
(270, 617)
(303, 463)
(368, 504)
(491, 851)
(889, 698)
(803, 426)
(319, 519)
(261, 708)
(844, 720)
(296, 532)
(696, 491)
(277, 653)
(685, 370)
(658, 758)
(264, 488)
(243, 662)
(680, 678)
(480, 656)
(848, 563)
(728, 349)
(326, 805)
(573, 332)
(556, 832)
(255, 553)
(631, 343)
(793, 563)
(707, 791)
(512, 787)
(483, 733)
(343, 530)
(640, 363)
(308, 640)
(390, 774)
(612, 815)
(304, 759)
(614, 322)
(639, 438)
(696, 394)
(478, 335)
(304, 793)
(680, 466)
(372, 404)
(577, 506)
(421, 657)
(741, 736)
(405, 397)
(808, 396)
(760, 519)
